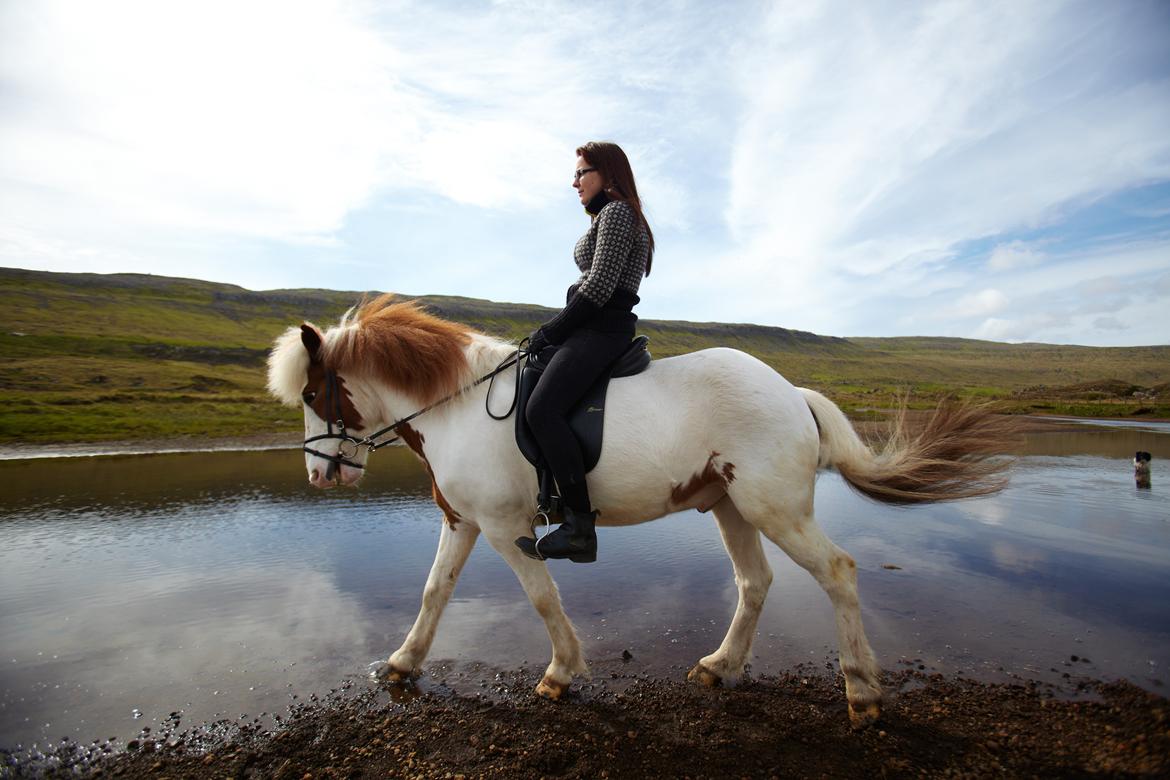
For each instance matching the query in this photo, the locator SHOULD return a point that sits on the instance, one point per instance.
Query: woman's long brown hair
(613, 165)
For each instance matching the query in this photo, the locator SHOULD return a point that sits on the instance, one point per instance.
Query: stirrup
(530, 546)
(547, 530)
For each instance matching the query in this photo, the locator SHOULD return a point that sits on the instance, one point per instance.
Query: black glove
(576, 313)
(537, 341)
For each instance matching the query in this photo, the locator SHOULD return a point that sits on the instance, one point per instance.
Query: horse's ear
(311, 338)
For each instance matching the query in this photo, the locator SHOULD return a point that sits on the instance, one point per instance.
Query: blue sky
(994, 170)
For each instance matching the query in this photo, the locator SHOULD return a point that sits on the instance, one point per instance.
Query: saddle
(587, 418)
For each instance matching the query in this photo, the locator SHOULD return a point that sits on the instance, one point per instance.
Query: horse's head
(384, 360)
(298, 373)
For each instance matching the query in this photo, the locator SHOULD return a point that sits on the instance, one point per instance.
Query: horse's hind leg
(834, 569)
(753, 576)
(455, 543)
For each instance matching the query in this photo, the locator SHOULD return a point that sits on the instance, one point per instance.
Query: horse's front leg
(542, 592)
(455, 543)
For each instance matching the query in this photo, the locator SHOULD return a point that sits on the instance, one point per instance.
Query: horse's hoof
(389, 673)
(862, 716)
(704, 676)
(551, 689)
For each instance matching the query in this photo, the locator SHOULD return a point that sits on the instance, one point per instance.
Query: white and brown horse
(715, 430)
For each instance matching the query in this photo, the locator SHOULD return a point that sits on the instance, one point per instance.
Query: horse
(715, 430)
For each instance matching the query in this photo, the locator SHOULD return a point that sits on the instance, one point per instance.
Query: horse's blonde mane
(412, 351)
(288, 368)
(397, 343)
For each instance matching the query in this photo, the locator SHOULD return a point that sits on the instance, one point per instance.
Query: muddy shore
(794, 725)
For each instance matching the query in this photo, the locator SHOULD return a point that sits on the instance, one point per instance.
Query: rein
(348, 447)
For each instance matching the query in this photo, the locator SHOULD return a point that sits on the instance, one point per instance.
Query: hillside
(89, 357)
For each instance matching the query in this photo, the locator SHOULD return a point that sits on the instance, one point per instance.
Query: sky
(984, 169)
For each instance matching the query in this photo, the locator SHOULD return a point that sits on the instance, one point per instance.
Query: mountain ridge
(110, 356)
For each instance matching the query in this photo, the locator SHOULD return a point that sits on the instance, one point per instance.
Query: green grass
(126, 417)
(104, 358)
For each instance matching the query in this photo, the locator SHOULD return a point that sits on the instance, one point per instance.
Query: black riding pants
(571, 372)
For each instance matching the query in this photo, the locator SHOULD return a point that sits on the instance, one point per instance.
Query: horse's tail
(955, 454)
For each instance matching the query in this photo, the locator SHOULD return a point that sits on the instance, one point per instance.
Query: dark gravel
(794, 725)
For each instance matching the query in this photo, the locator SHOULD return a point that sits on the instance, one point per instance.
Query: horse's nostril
(314, 476)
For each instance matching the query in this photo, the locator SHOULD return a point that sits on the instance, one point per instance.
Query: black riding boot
(575, 539)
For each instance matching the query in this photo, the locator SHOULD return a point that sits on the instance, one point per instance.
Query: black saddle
(587, 419)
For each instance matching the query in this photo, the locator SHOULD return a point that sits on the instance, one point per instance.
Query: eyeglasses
(577, 174)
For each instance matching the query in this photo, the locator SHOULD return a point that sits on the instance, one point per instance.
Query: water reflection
(220, 584)
(1100, 440)
(132, 483)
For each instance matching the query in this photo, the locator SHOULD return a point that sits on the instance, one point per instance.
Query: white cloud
(888, 134)
(276, 119)
(996, 329)
(981, 303)
(201, 117)
(1109, 295)
(1014, 254)
(1108, 323)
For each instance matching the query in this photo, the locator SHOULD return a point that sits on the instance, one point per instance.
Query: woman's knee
(533, 414)
(539, 413)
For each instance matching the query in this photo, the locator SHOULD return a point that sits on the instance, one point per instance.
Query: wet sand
(794, 725)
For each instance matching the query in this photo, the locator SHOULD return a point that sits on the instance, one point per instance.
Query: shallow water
(221, 584)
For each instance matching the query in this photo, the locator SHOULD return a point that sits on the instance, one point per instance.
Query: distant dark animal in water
(1141, 468)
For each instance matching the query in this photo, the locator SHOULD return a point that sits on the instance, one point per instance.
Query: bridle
(333, 407)
(348, 446)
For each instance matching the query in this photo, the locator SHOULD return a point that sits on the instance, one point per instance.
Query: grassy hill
(86, 357)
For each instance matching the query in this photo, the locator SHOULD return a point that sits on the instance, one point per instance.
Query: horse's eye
(308, 396)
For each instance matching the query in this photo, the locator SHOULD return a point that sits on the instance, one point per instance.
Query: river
(219, 585)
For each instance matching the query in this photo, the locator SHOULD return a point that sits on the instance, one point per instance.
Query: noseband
(348, 446)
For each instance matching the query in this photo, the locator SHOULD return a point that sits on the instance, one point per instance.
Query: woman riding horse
(592, 331)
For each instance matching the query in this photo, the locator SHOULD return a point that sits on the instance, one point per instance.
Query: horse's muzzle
(334, 475)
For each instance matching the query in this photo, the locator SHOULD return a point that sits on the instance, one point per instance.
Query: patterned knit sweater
(612, 257)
